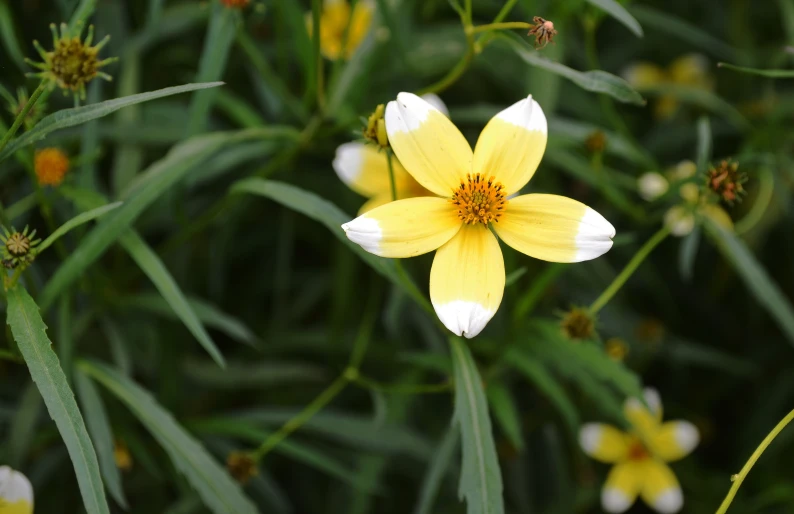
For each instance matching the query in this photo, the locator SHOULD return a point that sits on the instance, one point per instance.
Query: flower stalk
(22, 115)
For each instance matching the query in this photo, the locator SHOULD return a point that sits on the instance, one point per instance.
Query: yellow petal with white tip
(660, 488)
(645, 421)
(467, 280)
(604, 443)
(16, 493)
(554, 228)
(365, 170)
(512, 145)
(674, 440)
(405, 228)
(622, 486)
(428, 145)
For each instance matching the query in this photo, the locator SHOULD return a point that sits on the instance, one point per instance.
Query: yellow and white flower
(16, 493)
(336, 20)
(689, 70)
(363, 167)
(640, 457)
(467, 278)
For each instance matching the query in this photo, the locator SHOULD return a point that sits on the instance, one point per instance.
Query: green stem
(505, 10)
(738, 479)
(630, 268)
(501, 26)
(302, 417)
(391, 176)
(402, 388)
(317, 6)
(22, 115)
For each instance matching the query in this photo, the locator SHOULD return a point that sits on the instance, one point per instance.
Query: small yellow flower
(689, 70)
(336, 20)
(467, 278)
(122, 456)
(51, 166)
(364, 169)
(72, 63)
(16, 493)
(616, 348)
(640, 457)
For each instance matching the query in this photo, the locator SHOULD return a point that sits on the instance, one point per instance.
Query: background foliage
(213, 305)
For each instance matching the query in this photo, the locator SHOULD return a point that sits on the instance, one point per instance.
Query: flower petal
(512, 145)
(554, 228)
(660, 488)
(644, 421)
(622, 486)
(366, 171)
(430, 147)
(467, 280)
(436, 101)
(674, 440)
(16, 493)
(604, 443)
(405, 228)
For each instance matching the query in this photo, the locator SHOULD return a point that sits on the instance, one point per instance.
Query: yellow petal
(643, 420)
(405, 228)
(604, 443)
(622, 486)
(366, 171)
(644, 74)
(430, 147)
(554, 228)
(691, 70)
(718, 215)
(359, 26)
(16, 493)
(512, 145)
(660, 488)
(467, 280)
(674, 440)
(436, 101)
(374, 202)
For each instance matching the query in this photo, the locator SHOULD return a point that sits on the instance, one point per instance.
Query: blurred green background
(705, 319)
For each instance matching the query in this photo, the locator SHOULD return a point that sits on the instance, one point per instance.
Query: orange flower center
(51, 166)
(637, 451)
(479, 200)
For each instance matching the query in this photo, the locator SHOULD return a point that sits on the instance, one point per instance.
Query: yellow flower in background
(16, 493)
(51, 165)
(336, 19)
(363, 167)
(689, 70)
(467, 278)
(640, 457)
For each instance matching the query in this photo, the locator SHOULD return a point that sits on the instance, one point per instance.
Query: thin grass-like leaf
(78, 220)
(8, 35)
(440, 463)
(29, 332)
(774, 74)
(504, 408)
(620, 13)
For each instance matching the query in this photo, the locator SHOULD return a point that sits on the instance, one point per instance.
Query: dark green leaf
(775, 74)
(620, 13)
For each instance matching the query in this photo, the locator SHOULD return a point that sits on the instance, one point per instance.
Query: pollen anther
(479, 199)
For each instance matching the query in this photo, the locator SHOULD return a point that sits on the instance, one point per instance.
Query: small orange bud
(51, 166)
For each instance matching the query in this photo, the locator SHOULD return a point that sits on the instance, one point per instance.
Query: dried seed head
(543, 30)
(241, 466)
(578, 323)
(375, 129)
(727, 181)
(51, 166)
(18, 247)
(596, 142)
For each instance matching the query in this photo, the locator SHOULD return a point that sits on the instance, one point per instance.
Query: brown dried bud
(578, 323)
(543, 31)
(727, 181)
(241, 466)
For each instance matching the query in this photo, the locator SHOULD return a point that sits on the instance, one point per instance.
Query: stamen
(479, 199)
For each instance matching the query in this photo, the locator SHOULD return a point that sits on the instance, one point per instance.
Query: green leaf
(239, 375)
(29, 332)
(480, 476)
(78, 115)
(596, 81)
(504, 408)
(755, 277)
(703, 154)
(150, 185)
(84, 11)
(620, 13)
(687, 253)
(439, 465)
(218, 490)
(78, 220)
(8, 35)
(172, 22)
(153, 267)
(775, 74)
(214, 56)
(209, 314)
(99, 428)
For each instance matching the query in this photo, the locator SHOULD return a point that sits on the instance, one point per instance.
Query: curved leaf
(620, 13)
(78, 220)
(775, 74)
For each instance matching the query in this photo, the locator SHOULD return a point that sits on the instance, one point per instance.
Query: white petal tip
(594, 237)
(407, 113)
(14, 486)
(463, 318)
(348, 161)
(670, 501)
(615, 501)
(365, 232)
(436, 102)
(526, 113)
(652, 398)
(687, 435)
(590, 437)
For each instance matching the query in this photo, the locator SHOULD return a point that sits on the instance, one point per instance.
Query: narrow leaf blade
(78, 220)
(620, 13)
